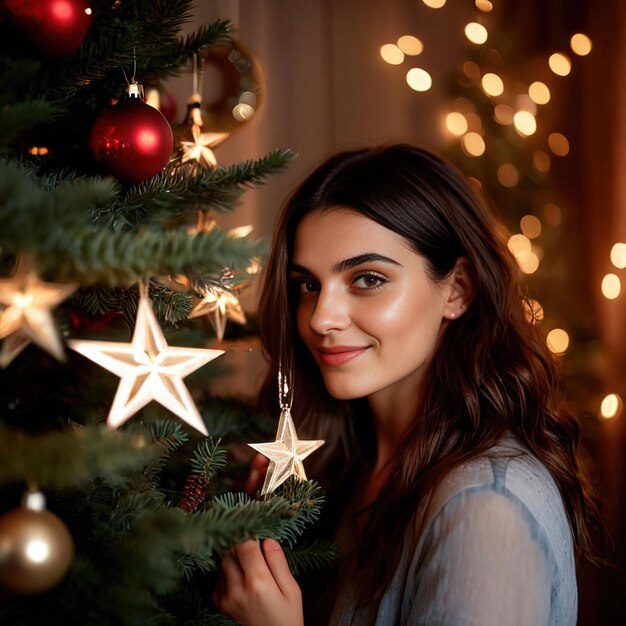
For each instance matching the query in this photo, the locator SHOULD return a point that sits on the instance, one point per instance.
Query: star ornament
(285, 454)
(198, 153)
(220, 305)
(27, 312)
(149, 369)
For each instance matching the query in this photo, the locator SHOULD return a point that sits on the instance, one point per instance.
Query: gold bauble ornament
(36, 549)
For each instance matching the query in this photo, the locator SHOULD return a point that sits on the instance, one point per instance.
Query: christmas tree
(120, 477)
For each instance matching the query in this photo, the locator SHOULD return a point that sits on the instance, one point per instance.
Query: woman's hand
(256, 586)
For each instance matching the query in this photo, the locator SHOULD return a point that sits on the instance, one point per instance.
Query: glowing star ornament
(285, 454)
(220, 305)
(198, 154)
(27, 316)
(149, 369)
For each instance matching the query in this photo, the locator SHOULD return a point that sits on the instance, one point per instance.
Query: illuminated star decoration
(285, 454)
(220, 305)
(199, 150)
(26, 316)
(149, 369)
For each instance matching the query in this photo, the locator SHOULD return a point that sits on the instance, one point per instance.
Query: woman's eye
(369, 281)
(306, 286)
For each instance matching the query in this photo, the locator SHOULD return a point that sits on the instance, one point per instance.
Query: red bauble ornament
(132, 139)
(56, 27)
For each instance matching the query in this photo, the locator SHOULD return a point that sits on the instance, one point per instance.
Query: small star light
(285, 454)
(221, 305)
(149, 369)
(27, 303)
(199, 150)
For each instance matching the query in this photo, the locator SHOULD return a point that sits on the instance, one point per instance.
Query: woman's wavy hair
(491, 373)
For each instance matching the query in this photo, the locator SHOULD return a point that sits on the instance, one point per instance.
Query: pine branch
(310, 556)
(170, 194)
(68, 458)
(18, 118)
(208, 458)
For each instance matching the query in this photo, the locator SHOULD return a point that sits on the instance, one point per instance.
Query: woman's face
(367, 311)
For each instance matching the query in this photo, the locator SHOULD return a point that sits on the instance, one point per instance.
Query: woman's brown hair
(491, 374)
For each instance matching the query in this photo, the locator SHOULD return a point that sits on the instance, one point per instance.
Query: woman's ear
(461, 288)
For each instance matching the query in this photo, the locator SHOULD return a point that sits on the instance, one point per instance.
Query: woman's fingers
(256, 475)
(278, 566)
(231, 571)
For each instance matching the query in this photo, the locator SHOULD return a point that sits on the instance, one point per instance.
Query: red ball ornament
(132, 139)
(56, 27)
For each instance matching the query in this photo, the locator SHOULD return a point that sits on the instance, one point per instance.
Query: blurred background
(528, 98)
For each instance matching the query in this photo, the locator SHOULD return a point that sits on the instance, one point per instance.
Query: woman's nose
(331, 312)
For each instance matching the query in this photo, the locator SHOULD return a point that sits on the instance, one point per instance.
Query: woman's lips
(338, 355)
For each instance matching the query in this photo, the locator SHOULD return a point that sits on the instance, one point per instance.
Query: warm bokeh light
(391, 54)
(484, 5)
(541, 161)
(508, 175)
(473, 144)
(611, 406)
(476, 33)
(558, 144)
(492, 84)
(531, 226)
(471, 70)
(419, 79)
(410, 45)
(618, 255)
(611, 286)
(528, 262)
(580, 44)
(539, 92)
(503, 114)
(38, 151)
(525, 123)
(553, 214)
(37, 550)
(557, 340)
(533, 310)
(519, 244)
(434, 4)
(560, 64)
(456, 123)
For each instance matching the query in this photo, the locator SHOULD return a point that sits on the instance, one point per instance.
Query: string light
(492, 84)
(558, 144)
(391, 54)
(580, 44)
(618, 255)
(508, 175)
(471, 70)
(525, 123)
(531, 226)
(541, 161)
(476, 33)
(557, 341)
(560, 64)
(503, 114)
(611, 406)
(484, 5)
(456, 123)
(519, 244)
(410, 45)
(611, 286)
(539, 92)
(473, 144)
(553, 214)
(419, 79)
(434, 4)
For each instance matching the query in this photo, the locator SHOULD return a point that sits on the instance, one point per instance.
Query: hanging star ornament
(220, 305)
(285, 454)
(149, 369)
(198, 153)
(26, 316)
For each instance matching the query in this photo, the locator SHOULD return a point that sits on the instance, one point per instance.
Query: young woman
(415, 356)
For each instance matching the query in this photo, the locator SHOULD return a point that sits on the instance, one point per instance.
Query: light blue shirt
(496, 550)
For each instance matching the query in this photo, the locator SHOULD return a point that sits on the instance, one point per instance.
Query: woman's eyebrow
(346, 264)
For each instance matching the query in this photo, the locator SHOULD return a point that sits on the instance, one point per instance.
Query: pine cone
(194, 492)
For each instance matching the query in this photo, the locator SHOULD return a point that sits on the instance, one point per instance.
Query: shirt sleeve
(483, 563)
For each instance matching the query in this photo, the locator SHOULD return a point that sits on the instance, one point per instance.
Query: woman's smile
(338, 355)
